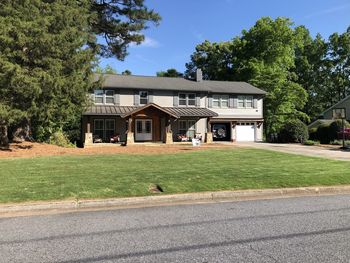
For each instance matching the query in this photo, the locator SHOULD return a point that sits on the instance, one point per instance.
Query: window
(143, 97)
(109, 97)
(148, 126)
(99, 128)
(98, 96)
(104, 97)
(104, 129)
(187, 99)
(191, 99)
(109, 128)
(220, 101)
(191, 132)
(187, 128)
(245, 101)
(182, 99)
(241, 101)
(139, 127)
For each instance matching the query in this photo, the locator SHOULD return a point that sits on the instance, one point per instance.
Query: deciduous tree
(170, 73)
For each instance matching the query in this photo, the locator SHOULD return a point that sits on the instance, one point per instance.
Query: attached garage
(245, 132)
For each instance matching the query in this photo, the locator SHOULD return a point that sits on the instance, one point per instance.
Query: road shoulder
(66, 206)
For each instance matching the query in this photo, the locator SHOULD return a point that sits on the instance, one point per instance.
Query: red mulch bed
(29, 149)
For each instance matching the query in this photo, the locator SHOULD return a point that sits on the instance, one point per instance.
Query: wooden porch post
(88, 139)
(233, 131)
(168, 131)
(130, 132)
(209, 135)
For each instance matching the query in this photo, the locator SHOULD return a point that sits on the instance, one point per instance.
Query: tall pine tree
(47, 51)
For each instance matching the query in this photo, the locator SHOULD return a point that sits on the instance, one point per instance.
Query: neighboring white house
(140, 109)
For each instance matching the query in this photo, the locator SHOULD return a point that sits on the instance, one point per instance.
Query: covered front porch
(149, 123)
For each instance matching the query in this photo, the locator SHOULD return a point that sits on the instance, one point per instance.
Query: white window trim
(140, 97)
(98, 96)
(104, 97)
(252, 102)
(220, 98)
(109, 96)
(187, 99)
(245, 99)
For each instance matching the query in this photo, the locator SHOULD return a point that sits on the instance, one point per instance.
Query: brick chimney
(199, 75)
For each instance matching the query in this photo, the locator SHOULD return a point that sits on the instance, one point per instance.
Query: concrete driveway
(315, 151)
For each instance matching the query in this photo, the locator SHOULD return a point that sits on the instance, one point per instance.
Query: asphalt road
(309, 229)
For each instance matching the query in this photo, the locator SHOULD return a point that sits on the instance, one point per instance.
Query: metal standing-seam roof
(125, 110)
(177, 84)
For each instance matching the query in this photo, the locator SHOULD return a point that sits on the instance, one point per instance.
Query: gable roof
(335, 105)
(153, 105)
(178, 84)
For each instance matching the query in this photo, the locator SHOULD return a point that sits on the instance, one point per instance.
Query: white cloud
(327, 11)
(148, 43)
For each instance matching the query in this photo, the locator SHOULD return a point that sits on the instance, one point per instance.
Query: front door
(143, 130)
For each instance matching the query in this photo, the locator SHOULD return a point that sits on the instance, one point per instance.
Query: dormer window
(104, 97)
(143, 97)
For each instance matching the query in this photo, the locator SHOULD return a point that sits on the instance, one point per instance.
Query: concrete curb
(148, 201)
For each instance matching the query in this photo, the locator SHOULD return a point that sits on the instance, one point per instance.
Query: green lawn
(130, 175)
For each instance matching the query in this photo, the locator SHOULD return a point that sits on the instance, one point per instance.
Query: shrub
(329, 132)
(335, 128)
(311, 142)
(323, 134)
(60, 139)
(340, 142)
(313, 134)
(294, 131)
(336, 142)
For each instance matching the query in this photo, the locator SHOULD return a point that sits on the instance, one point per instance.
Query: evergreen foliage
(170, 73)
(294, 131)
(47, 52)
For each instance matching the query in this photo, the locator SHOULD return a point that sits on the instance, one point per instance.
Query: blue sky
(186, 23)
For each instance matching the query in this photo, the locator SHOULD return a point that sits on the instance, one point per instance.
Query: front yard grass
(102, 176)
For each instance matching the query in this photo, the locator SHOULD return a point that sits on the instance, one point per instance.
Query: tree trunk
(21, 132)
(4, 140)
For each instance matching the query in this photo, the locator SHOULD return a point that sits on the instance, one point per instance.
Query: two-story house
(157, 109)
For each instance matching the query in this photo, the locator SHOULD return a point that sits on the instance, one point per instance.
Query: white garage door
(245, 132)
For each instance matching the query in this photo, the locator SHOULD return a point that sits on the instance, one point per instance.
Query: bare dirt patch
(29, 149)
